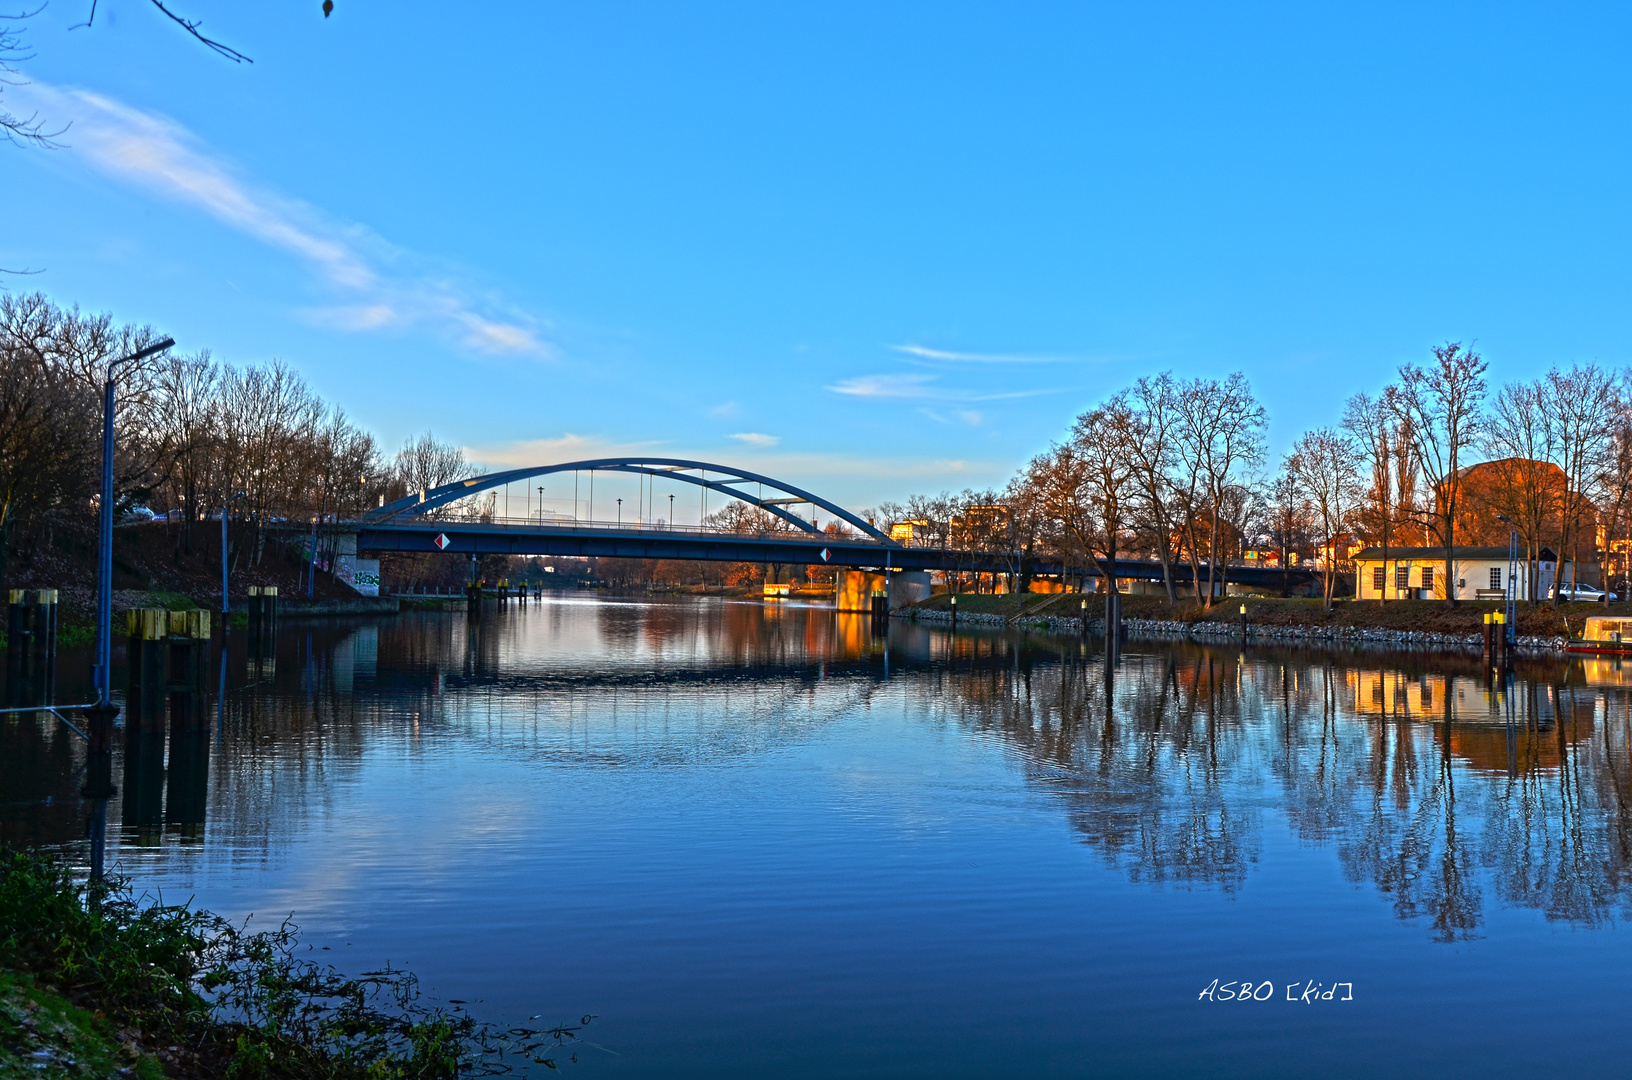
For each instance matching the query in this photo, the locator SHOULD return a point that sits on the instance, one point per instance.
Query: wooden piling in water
(146, 630)
(31, 645)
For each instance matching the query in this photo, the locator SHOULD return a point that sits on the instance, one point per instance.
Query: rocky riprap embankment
(1165, 629)
(972, 618)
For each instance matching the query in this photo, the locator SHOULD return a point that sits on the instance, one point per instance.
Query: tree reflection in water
(1438, 789)
(1445, 791)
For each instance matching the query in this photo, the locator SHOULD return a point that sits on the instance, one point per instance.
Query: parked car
(1582, 592)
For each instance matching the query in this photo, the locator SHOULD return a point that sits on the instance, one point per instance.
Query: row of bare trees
(191, 433)
(1176, 471)
(1163, 468)
(1433, 459)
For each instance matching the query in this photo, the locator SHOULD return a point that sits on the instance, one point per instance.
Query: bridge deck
(645, 540)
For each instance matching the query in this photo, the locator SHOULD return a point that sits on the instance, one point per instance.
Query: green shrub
(242, 1001)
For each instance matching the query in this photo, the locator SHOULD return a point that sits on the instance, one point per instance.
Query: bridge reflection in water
(1444, 793)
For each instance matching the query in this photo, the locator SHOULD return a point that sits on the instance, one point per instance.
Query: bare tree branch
(19, 130)
(191, 26)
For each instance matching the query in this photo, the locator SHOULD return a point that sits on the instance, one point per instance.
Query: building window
(1495, 577)
(1427, 577)
(1402, 578)
(1377, 579)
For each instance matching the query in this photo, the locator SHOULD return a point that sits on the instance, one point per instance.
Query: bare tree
(1153, 453)
(1221, 436)
(1325, 465)
(425, 463)
(1382, 441)
(48, 423)
(1289, 520)
(1102, 439)
(1581, 408)
(188, 414)
(1523, 482)
(1025, 528)
(1441, 405)
(1056, 481)
(1614, 482)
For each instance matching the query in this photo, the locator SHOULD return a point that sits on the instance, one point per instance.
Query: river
(763, 840)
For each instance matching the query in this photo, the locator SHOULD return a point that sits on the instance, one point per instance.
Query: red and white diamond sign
(441, 541)
(825, 554)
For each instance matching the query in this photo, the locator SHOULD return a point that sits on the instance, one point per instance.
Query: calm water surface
(760, 841)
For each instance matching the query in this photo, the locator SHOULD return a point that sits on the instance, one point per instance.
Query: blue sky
(872, 249)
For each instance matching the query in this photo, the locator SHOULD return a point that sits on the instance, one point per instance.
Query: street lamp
(620, 513)
(226, 509)
(103, 679)
(671, 511)
(541, 504)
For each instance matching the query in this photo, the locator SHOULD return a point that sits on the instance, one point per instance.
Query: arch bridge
(726, 480)
(421, 522)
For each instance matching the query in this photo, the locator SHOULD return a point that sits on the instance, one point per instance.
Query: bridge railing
(633, 525)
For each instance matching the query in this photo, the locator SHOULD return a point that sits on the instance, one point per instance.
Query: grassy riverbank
(96, 982)
(1419, 615)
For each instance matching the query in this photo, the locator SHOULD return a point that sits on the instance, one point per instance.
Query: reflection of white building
(1418, 573)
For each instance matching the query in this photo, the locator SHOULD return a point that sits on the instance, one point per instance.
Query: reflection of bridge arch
(725, 480)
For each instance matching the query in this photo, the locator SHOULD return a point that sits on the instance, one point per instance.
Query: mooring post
(17, 634)
(954, 611)
(145, 632)
(1083, 617)
(1243, 624)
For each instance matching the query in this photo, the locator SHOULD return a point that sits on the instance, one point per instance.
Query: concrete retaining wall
(362, 605)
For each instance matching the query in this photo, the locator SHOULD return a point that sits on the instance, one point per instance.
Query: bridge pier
(854, 589)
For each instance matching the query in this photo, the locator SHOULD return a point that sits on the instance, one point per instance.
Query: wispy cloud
(383, 288)
(918, 388)
(724, 409)
(923, 352)
(566, 447)
(754, 438)
(885, 386)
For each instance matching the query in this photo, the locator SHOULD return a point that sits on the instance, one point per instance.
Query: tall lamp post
(103, 678)
(99, 753)
(226, 510)
(541, 504)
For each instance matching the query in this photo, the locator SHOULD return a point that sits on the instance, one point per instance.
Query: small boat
(1604, 634)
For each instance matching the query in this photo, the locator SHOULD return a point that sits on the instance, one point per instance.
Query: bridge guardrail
(627, 525)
